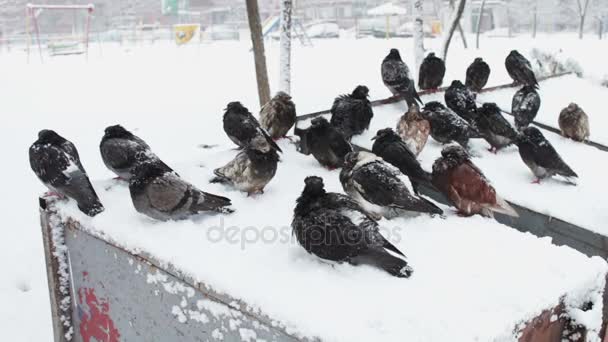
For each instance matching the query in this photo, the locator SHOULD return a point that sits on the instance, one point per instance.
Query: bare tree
(285, 70)
(418, 34)
(460, 30)
(261, 73)
(582, 12)
(535, 20)
(454, 20)
(479, 21)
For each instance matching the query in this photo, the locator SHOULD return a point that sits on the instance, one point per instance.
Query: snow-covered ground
(174, 98)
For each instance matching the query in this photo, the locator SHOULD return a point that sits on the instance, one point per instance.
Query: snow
(173, 98)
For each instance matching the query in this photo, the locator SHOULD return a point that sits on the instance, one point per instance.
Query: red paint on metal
(95, 323)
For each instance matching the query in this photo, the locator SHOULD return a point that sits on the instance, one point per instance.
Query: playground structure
(64, 45)
(271, 25)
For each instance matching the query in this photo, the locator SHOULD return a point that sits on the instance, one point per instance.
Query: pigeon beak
(374, 138)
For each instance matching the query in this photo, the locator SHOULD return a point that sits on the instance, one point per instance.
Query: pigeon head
(430, 55)
(533, 134)
(147, 170)
(282, 96)
(351, 159)
(385, 133)
(236, 106)
(394, 54)
(573, 107)
(314, 186)
(319, 122)
(259, 143)
(430, 108)
(489, 107)
(456, 84)
(478, 60)
(455, 152)
(361, 92)
(117, 131)
(48, 136)
(514, 53)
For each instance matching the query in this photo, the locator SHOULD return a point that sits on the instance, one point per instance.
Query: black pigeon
(431, 72)
(446, 126)
(396, 77)
(525, 106)
(326, 143)
(351, 114)
(461, 100)
(540, 156)
(241, 126)
(163, 195)
(121, 150)
(520, 69)
(334, 227)
(252, 169)
(278, 115)
(395, 151)
(56, 162)
(495, 128)
(477, 75)
(378, 188)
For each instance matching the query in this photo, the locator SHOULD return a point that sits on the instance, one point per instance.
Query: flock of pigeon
(332, 226)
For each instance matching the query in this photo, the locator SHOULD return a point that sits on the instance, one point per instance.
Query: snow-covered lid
(387, 9)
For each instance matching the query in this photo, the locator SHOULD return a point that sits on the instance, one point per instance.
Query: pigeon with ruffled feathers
(463, 183)
(396, 77)
(574, 123)
(333, 227)
(525, 106)
(278, 115)
(121, 150)
(461, 100)
(163, 195)
(497, 131)
(252, 169)
(414, 129)
(56, 162)
(352, 113)
(520, 69)
(241, 126)
(477, 75)
(432, 70)
(540, 156)
(446, 126)
(390, 147)
(325, 143)
(379, 187)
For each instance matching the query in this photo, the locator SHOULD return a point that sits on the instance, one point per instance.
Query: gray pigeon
(520, 69)
(396, 77)
(497, 131)
(56, 162)
(121, 150)
(446, 126)
(251, 169)
(525, 106)
(278, 115)
(574, 123)
(163, 195)
(379, 187)
(241, 126)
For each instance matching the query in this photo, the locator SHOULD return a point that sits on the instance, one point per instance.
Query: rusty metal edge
(394, 99)
(208, 291)
(61, 329)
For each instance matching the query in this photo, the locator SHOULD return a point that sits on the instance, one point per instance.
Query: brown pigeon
(414, 130)
(574, 123)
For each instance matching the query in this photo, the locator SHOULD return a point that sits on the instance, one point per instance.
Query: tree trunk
(418, 34)
(479, 21)
(285, 70)
(460, 31)
(261, 73)
(535, 22)
(455, 18)
(581, 27)
(582, 11)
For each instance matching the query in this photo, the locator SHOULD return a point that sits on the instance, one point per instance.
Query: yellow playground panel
(185, 32)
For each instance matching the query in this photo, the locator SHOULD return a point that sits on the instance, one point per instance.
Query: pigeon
(431, 72)
(390, 147)
(326, 143)
(542, 159)
(446, 126)
(251, 169)
(497, 131)
(278, 115)
(574, 123)
(351, 114)
(121, 150)
(241, 126)
(465, 185)
(477, 75)
(461, 100)
(520, 69)
(56, 162)
(162, 195)
(396, 77)
(525, 106)
(379, 188)
(334, 227)
(413, 129)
